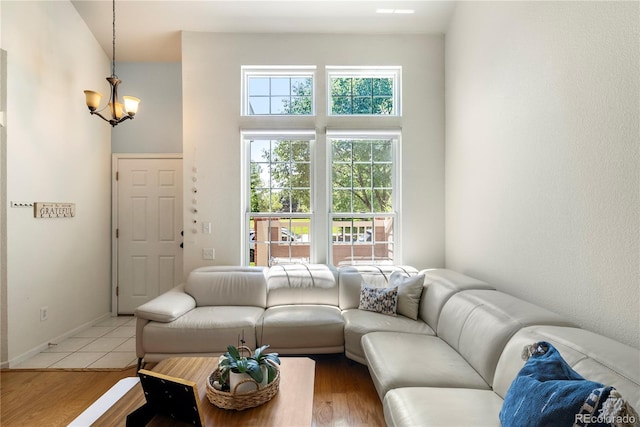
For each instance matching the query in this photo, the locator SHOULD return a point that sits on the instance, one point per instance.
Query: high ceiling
(149, 30)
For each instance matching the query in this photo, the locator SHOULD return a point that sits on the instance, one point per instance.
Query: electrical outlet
(208, 253)
(44, 313)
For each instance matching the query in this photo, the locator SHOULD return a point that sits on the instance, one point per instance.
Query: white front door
(149, 228)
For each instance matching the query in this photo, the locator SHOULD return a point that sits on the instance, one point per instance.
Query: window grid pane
(352, 95)
(362, 240)
(359, 183)
(279, 240)
(281, 95)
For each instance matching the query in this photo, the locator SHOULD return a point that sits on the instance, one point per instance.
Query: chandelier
(118, 111)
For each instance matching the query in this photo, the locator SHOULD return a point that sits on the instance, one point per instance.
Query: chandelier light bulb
(131, 104)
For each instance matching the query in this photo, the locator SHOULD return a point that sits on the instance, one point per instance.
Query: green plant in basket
(234, 361)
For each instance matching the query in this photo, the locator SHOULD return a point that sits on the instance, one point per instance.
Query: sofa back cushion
(593, 356)
(352, 278)
(218, 285)
(479, 323)
(440, 284)
(302, 284)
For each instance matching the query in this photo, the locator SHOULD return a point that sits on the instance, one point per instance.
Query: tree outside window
(362, 208)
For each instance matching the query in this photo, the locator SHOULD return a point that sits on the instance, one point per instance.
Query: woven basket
(240, 401)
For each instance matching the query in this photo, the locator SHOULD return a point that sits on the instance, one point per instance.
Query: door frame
(115, 157)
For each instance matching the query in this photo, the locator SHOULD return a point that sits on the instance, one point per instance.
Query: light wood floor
(344, 395)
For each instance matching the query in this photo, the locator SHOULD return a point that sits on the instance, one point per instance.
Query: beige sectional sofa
(449, 362)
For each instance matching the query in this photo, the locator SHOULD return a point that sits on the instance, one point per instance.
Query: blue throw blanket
(548, 392)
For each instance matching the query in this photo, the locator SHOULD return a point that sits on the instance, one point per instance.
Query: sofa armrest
(168, 306)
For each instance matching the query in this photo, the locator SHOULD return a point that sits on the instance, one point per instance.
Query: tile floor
(108, 344)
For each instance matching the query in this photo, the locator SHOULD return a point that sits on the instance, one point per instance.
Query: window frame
(394, 72)
(396, 137)
(269, 71)
(246, 137)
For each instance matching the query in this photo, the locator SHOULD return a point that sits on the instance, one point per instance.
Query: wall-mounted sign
(54, 210)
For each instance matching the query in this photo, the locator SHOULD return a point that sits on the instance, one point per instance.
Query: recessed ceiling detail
(156, 38)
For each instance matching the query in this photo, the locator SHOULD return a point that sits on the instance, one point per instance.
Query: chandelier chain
(113, 51)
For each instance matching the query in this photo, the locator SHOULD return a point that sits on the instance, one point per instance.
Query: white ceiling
(149, 30)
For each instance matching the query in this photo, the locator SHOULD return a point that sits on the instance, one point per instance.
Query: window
(280, 215)
(269, 91)
(362, 198)
(356, 186)
(364, 91)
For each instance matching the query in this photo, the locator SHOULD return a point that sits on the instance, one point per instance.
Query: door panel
(149, 229)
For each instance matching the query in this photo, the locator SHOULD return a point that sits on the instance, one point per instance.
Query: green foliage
(361, 176)
(361, 95)
(289, 189)
(257, 202)
(268, 360)
(300, 102)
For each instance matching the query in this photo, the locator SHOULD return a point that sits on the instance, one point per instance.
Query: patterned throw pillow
(380, 300)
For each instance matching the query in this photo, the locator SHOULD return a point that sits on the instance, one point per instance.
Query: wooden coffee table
(292, 406)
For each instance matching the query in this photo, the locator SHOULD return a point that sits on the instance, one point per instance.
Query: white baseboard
(41, 347)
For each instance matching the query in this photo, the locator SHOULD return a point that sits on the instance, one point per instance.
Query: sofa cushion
(302, 284)
(203, 330)
(291, 329)
(443, 407)
(399, 360)
(357, 323)
(409, 293)
(379, 300)
(441, 284)
(225, 286)
(479, 323)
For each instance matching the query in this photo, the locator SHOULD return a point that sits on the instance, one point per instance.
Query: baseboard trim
(41, 347)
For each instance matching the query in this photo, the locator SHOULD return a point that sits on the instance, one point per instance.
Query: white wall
(542, 165)
(157, 127)
(3, 206)
(212, 123)
(56, 152)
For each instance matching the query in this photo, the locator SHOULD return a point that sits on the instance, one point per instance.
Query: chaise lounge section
(595, 357)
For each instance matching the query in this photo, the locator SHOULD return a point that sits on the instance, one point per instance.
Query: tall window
(364, 91)
(269, 91)
(363, 176)
(280, 217)
(356, 185)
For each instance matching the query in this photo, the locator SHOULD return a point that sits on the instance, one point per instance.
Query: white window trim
(396, 134)
(367, 72)
(275, 71)
(245, 136)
